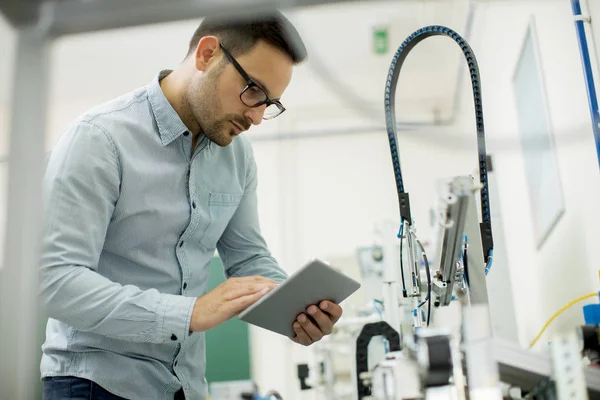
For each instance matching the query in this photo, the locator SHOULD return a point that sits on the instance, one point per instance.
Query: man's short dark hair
(239, 35)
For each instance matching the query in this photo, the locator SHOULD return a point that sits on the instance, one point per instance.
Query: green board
(228, 345)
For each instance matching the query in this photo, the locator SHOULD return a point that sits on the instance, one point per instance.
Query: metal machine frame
(461, 219)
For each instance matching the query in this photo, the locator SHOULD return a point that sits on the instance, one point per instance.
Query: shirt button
(184, 285)
(194, 204)
(175, 364)
(181, 243)
(173, 337)
(186, 133)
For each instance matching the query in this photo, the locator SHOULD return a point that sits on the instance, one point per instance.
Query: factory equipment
(460, 216)
(447, 362)
(448, 351)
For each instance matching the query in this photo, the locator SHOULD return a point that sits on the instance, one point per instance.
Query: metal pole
(19, 304)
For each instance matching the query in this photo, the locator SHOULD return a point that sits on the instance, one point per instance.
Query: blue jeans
(71, 388)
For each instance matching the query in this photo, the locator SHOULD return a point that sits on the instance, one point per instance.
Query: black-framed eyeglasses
(253, 95)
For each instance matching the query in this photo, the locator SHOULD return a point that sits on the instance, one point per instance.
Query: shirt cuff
(175, 315)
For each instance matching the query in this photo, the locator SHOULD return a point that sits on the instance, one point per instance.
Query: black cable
(402, 263)
(466, 265)
(411, 41)
(428, 272)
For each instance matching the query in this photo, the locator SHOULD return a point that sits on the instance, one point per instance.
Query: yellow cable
(577, 300)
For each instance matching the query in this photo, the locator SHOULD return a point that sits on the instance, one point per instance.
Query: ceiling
(78, 16)
(342, 73)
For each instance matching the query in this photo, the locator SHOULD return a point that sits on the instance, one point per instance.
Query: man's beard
(203, 106)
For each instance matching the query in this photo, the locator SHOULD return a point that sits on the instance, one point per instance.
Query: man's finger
(301, 335)
(241, 303)
(262, 279)
(334, 310)
(311, 329)
(323, 320)
(250, 280)
(244, 290)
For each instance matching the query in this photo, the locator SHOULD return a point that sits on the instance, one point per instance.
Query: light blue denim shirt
(131, 222)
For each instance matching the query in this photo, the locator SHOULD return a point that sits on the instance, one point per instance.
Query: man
(138, 194)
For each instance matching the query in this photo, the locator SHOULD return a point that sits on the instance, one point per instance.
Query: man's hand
(227, 300)
(324, 317)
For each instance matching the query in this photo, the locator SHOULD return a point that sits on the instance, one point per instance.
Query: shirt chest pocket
(221, 207)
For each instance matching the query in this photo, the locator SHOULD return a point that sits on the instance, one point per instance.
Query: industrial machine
(434, 316)
(457, 357)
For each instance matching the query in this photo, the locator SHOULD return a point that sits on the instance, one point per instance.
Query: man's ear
(207, 52)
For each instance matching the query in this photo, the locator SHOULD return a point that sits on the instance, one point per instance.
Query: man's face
(213, 96)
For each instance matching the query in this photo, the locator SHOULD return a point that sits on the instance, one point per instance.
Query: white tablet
(313, 283)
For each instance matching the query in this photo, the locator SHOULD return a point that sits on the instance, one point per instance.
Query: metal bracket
(584, 18)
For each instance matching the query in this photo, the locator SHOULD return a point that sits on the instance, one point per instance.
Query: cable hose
(390, 115)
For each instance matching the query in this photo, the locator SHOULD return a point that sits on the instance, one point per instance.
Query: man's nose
(255, 114)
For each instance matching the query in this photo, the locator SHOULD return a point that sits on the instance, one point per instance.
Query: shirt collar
(170, 125)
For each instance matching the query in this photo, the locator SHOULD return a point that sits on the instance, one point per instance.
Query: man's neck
(173, 87)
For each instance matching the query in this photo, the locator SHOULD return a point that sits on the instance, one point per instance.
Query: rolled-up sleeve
(80, 189)
(242, 247)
